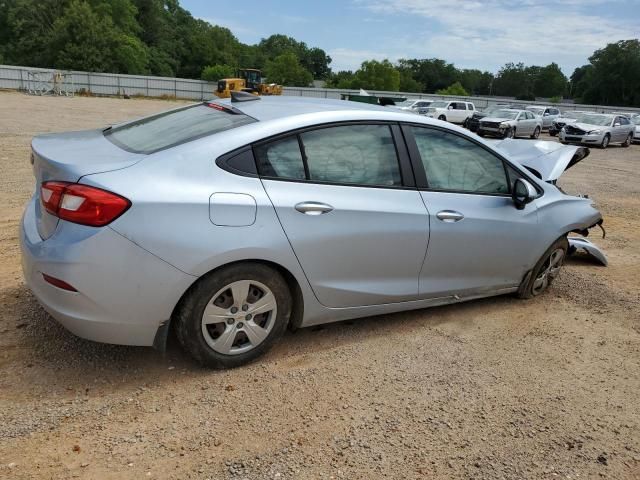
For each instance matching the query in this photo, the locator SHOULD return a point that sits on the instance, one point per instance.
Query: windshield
(439, 105)
(175, 126)
(636, 120)
(536, 110)
(508, 114)
(595, 119)
(573, 115)
(406, 103)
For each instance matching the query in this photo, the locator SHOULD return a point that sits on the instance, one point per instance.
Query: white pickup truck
(454, 111)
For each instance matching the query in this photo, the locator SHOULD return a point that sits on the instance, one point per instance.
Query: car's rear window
(171, 128)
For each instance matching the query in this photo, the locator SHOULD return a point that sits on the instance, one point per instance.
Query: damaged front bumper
(580, 243)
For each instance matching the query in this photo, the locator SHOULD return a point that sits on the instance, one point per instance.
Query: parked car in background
(509, 123)
(451, 111)
(414, 106)
(227, 222)
(548, 114)
(636, 134)
(473, 121)
(599, 129)
(566, 118)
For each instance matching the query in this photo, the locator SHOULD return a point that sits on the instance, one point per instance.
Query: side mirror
(617, 124)
(450, 107)
(523, 193)
(546, 114)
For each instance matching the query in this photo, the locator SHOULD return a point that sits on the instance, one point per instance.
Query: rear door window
(174, 127)
(353, 154)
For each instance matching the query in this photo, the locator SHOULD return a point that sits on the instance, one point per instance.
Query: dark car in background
(473, 122)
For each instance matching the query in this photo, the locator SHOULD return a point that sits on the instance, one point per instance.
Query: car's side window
(354, 154)
(624, 121)
(281, 159)
(454, 163)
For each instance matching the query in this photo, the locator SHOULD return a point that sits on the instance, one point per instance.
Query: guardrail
(50, 81)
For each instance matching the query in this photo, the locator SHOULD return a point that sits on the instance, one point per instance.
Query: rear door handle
(313, 208)
(449, 216)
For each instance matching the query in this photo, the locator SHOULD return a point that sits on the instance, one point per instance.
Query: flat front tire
(233, 315)
(546, 270)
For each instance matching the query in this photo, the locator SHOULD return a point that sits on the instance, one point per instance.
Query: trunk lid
(546, 160)
(68, 157)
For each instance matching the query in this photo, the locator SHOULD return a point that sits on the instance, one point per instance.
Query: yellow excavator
(248, 80)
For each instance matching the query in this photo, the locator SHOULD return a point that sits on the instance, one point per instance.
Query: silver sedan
(599, 129)
(231, 220)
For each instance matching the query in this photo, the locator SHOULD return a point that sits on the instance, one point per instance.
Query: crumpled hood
(497, 119)
(588, 127)
(547, 160)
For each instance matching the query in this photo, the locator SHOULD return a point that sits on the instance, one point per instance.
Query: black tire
(536, 133)
(510, 133)
(553, 133)
(605, 141)
(628, 141)
(532, 287)
(188, 316)
(443, 118)
(480, 133)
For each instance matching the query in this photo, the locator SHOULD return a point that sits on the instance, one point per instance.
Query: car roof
(274, 107)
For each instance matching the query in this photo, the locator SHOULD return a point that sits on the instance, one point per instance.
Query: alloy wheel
(549, 271)
(239, 317)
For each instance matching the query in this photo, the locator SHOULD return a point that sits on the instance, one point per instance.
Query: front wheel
(553, 133)
(546, 270)
(233, 315)
(536, 133)
(510, 133)
(605, 141)
(443, 118)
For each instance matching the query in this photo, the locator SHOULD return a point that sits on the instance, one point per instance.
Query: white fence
(43, 81)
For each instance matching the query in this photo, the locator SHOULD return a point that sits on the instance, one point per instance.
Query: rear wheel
(536, 133)
(234, 315)
(628, 141)
(605, 141)
(546, 270)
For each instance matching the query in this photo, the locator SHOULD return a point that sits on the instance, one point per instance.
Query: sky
(483, 34)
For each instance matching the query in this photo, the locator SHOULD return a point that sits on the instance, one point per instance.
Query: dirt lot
(492, 389)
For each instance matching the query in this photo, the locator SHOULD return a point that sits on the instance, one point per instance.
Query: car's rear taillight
(82, 204)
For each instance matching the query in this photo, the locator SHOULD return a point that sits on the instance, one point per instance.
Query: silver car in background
(414, 106)
(566, 118)
(547, 114)
(635, 120)
(599, 129)
(509, 123)
(230, 221)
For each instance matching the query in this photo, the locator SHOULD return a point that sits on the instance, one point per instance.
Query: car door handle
(449, 216)
(313, 208)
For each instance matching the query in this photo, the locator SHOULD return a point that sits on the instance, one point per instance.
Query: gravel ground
(491, 389)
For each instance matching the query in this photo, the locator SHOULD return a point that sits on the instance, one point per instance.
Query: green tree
(550, 82)
(213, 73)
(454, 89)
(375, 75)
(433, 73)
(287, 70)
(513, 80)
(476, 81)
(614, 78)
(408, 83)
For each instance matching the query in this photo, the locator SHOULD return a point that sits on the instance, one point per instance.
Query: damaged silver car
(229, 221)
(599, 129)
